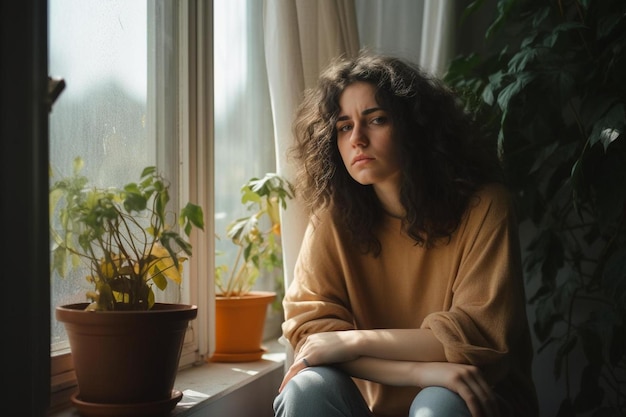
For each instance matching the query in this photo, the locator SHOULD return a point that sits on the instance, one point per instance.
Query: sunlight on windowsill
(215, 380)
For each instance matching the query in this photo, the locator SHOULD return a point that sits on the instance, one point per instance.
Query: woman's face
(365, 138)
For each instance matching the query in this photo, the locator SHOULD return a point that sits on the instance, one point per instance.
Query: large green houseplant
(123, 235)
(240, 310)
(551, 87)
(125, 345)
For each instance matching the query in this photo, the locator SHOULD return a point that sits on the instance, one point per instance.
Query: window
(137, 93)
(120, 60)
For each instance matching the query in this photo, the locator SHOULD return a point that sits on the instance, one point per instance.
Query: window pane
(244, 141)
(100, 49)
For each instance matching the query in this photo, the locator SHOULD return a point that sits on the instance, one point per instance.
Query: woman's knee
(318, 389)
(438, 402)
(316, 381)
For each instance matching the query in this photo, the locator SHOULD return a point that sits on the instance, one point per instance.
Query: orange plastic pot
(239, 325)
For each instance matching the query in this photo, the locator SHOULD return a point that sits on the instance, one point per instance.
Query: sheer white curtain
(421, 31)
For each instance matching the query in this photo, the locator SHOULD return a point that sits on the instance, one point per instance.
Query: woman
(407, 298)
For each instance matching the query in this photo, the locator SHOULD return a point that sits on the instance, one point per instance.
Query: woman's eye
(344, 128)
(380, 120)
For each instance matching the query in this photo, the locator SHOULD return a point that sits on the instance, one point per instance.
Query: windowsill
(215, 386)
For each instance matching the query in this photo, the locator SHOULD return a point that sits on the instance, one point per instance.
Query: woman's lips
(361, 159)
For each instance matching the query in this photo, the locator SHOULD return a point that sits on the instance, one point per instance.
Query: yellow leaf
(164, 265)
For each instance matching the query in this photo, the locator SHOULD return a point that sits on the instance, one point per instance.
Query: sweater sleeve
(316, 300)
(487, 315)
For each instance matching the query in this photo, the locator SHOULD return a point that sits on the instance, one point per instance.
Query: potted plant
(240, 310)
(551, 87)
(125, 345)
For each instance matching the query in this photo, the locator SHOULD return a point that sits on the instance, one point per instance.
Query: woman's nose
(358, 136)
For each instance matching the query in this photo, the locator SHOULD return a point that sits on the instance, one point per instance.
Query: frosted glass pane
(100, 49)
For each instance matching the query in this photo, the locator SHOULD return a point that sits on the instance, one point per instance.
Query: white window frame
(197, 164)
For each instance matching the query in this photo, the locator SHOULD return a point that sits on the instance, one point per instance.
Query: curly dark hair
(445, 161)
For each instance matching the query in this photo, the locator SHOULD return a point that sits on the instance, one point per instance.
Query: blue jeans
(326, 391)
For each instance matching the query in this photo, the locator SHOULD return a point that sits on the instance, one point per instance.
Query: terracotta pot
(239, 323)
(125, 360)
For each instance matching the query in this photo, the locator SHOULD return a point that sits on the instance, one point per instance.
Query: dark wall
(24, 200)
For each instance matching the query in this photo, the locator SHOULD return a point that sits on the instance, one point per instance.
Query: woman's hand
(296, 366)
(330, 347)
(465, 380)
(323, 349)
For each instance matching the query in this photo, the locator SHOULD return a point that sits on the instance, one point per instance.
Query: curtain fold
(436, 39)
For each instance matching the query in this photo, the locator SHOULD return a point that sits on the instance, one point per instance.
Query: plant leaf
(610, 127)
(522, 79)
(521, 59)
(190, 215)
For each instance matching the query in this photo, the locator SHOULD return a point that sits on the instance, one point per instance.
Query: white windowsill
(206, 385)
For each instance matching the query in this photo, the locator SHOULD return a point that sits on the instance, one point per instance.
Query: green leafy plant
(257, 236)
(123, 235)
(551, 88)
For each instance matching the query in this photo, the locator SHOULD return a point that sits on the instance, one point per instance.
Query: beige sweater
(469, 292)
